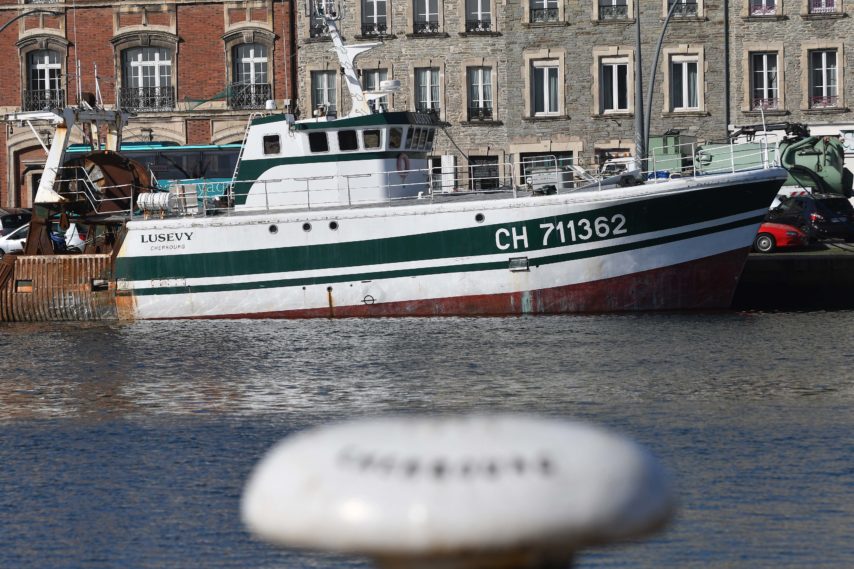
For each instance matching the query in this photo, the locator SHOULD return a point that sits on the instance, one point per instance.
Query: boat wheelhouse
(364, 159)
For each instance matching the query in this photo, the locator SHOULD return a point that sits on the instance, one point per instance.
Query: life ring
(402, 161)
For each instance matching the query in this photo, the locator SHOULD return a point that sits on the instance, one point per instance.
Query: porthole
(479, 218)
(333, 225)
(274, 229)
(306, 227)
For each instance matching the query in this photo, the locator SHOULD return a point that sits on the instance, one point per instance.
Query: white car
(75, 238)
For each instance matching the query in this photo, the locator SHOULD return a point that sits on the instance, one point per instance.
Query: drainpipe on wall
(726, 68)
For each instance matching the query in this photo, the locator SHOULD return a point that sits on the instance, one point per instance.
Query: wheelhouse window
(323, 90)
(272, 144)
(824, 6)
(348, 140)
(544, 88)
(613, 83)
(763, 76)
(372, 138)
(427, 89)
(823, 79)
(684, 8)
(147, 79)
(613, 9)
(479, 80)
(318, 142)
(395, 137)
(44, 73)
(478, 16)
(371, 80)
(684, 83)
(426, 17)
(763, 7)
(250, 87)
(544, 11)
(374, 17)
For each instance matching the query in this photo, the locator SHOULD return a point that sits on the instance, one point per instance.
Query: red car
(773, 236)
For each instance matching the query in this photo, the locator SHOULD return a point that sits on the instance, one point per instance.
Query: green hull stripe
(475, 267)
(645, 216)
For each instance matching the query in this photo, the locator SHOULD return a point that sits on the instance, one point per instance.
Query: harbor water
(128, 444)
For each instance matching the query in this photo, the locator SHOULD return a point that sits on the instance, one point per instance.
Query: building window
(44, 72)
(823, 79)
(323, 90)
(479, 81)
(147, 79)
(613, 9)
(483, 173)
(544, 11)
(823, 6)
(478, 16)
(250, 86)
(614, 84)
(427, 89)
(426, 19)
(684, 8)
(763, 7)
(764, 88)
(544, 87)
(371, 79)
(317, 24)
(374, 17)
(684, 83)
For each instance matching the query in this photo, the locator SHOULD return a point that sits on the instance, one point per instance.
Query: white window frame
(48, 72)
(480, 78)
(371, 79)
(430, 11)
(371, 13)
(818, 7)
(430, 88)
(324, 89)
(614, 63)
(684, 61)
(134, 68)
(253, 65)
(546, 68)
(769, 90)
(763, 7)
(829, 86)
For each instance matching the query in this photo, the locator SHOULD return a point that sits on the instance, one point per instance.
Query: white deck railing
(326, 191)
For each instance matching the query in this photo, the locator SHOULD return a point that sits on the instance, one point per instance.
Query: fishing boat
(334, 216)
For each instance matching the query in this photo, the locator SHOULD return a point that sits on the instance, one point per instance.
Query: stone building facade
(191, 71)
(519, 79)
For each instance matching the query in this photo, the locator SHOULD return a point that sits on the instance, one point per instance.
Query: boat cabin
(325, 162)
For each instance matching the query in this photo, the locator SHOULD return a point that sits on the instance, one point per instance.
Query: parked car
(12, 219)
(773, 236)
(818, 215)
(75, 238)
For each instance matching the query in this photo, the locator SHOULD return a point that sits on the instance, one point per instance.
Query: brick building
(191, 70)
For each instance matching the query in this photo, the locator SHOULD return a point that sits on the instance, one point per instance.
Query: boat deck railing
(543, 176)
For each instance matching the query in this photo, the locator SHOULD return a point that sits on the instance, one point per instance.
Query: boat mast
(346, 56)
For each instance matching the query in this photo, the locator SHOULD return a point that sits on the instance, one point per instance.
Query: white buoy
(474, 492)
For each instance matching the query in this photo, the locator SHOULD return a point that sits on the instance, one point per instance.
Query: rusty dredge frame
(99, 189)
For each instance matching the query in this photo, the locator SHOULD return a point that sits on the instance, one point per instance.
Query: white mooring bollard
(476, 492)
